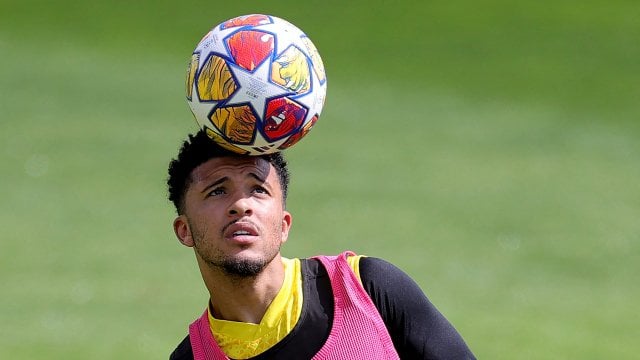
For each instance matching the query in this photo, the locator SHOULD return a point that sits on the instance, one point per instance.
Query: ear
(286, 225)
(183, 231)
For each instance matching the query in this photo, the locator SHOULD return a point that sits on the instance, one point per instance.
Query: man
(231, 211)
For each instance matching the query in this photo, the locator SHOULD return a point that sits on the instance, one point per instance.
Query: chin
(244, 267)
(241, 262)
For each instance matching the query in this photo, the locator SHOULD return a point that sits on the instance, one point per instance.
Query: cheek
(210, 211)
(205, 224)
(281, 223)
(272, 217)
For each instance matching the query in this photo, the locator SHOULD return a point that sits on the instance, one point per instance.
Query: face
(234, 215)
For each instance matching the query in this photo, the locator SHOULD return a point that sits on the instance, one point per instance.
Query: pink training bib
(357, 332)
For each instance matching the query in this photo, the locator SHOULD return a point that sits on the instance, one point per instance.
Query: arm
(183, 351)
(417, 328)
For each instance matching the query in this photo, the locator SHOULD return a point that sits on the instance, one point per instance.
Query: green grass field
(488, 148)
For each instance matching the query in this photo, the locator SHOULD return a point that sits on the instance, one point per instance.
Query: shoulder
(417, 328)
(392, 290)
(183, 351)
(375, 272)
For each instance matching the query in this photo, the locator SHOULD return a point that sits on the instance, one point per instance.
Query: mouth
(242, 232)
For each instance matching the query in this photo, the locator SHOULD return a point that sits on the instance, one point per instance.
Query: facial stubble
(239, 268)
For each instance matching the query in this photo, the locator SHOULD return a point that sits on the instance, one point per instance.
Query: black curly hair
(198, 149)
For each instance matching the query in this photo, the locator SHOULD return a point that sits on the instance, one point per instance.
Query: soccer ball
(256, 84)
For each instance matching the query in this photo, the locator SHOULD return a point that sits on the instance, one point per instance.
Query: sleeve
(183, 351)
(417, 328)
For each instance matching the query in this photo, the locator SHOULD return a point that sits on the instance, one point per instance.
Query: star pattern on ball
(201, 109)
(211, 45)
(290, 35)
(252, 86)
(251, 67)
(260, 142)
(311, 100)
(204, 110)
(215, 41)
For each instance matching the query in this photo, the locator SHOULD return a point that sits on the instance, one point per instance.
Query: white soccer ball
(256, 84)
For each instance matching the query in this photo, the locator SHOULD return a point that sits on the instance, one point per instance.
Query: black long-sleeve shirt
(417, 328)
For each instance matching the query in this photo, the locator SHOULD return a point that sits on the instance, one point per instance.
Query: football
(256, 84)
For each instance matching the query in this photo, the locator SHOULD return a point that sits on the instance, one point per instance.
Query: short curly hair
(197, 150)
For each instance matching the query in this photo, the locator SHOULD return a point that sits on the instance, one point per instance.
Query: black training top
(417, 328)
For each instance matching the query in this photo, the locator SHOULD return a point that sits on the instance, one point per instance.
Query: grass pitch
(489, 149)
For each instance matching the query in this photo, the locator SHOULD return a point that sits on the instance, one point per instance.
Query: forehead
(217, 168)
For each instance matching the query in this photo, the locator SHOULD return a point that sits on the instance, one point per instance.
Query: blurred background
(488, 148)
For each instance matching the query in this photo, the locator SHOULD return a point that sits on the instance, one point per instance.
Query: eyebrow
(215, 183)
(257, 177)
(225, 178)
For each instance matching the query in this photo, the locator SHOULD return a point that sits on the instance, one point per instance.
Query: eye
(260, 190)
(216, 191)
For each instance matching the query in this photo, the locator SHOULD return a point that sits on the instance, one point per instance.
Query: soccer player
(231, 211)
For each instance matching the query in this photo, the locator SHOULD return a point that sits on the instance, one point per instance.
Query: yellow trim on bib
(354, 264)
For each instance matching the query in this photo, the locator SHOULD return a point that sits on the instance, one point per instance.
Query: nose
(241, 206)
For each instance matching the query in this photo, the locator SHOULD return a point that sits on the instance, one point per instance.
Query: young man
(231, 211)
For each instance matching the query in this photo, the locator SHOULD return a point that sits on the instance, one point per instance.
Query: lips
(241, 231)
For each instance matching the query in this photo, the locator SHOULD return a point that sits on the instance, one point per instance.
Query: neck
(243, 299)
